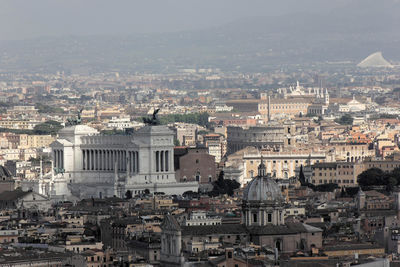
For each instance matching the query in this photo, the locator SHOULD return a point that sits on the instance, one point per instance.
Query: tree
(351, 191)
(128, 194)
(176, 142)
(48, 109)
(48, 127)
(396, 174)
(346, 119)
(302, 177)
(195, 118)
(44, 158)
(342, 192)
(377, 177)
(391, 183)
(224, 186)
(325, 187)
(371, 177)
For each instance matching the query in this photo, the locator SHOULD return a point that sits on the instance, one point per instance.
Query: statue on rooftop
(75, 121)
(152, 120)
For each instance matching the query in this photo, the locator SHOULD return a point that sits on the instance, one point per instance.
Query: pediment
(60, 143)
(170, 223)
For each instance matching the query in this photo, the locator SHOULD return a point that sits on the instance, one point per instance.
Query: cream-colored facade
(18, 124)
(351, 152)
(275, 107)
(36, 141)
(10, 154)
(387, 165)
(344, 174)
(295, 211)
(281, 165)
(293, 101)
(23, 141)
(88, 114)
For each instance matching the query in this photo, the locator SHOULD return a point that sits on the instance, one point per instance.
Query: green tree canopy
(346, 119)
(42, 108)
(224, 186)
(377, 177)
(48, 127)
(302, 177)
(324, 187)
(371, 177)
(128, 194)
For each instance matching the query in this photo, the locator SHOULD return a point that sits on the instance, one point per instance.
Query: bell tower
(326, 97)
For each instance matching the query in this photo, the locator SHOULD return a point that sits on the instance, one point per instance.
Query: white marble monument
(87, 164)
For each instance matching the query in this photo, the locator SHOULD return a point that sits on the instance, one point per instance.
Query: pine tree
(302, 177)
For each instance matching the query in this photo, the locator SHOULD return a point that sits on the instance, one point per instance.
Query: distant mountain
(375, 60)
(347, 33)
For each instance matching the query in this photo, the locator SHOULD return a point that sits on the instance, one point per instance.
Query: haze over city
(200, 133)
(29, 19)
(117, 35)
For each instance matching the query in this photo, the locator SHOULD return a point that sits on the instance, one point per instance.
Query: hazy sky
(21, 19)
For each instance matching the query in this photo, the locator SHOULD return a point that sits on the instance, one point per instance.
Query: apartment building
(344, 174)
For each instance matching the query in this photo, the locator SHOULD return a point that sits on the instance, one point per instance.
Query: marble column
(157, 161)
(166, 161)
(137, 162)
(134, 161)
(162, 158)
(55, 158)
(124, 159)
(62, 159)
(102, 159)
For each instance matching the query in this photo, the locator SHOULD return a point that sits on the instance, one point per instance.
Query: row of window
(345, 181)
(333, 174)
(380, 165)
(286, 106)
(346, 166)
(204, 224)
(255, 217)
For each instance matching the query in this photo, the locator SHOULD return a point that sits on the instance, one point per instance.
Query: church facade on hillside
(87, 164)
(294, 101)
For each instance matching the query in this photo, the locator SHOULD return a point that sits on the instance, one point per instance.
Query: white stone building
(242, 166)
(87, 164)
(352, 105)
(202, 218)
(123, 123)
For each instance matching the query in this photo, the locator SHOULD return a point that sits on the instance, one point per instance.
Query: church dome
(263, 189)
